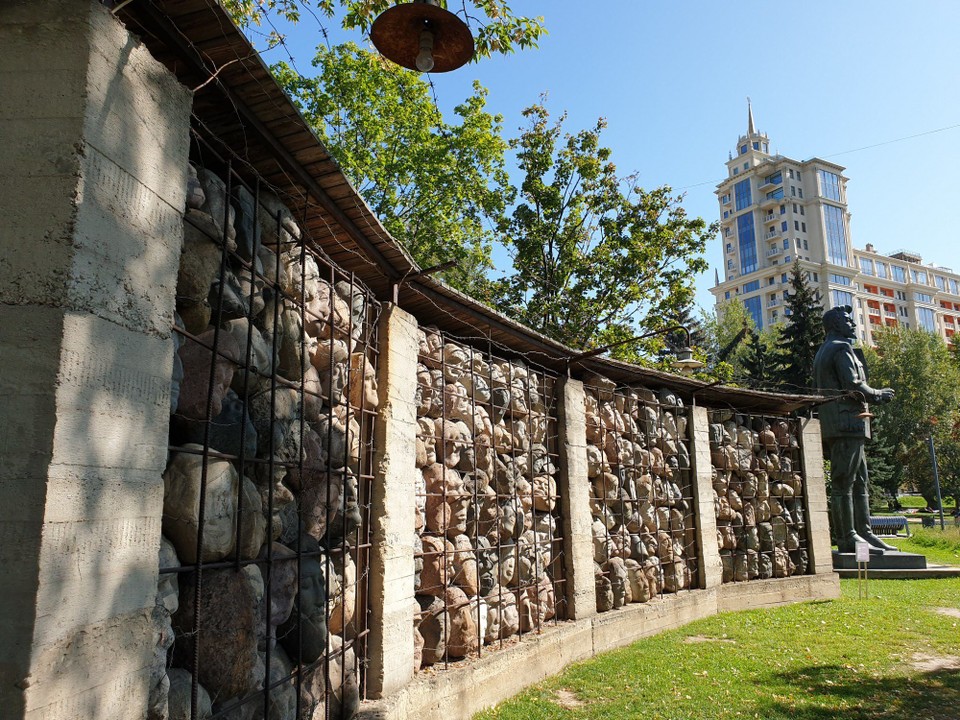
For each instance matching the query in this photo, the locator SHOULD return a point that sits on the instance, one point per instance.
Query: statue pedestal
(889, 560)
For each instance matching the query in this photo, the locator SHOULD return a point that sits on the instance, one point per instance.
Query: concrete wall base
(470, 686)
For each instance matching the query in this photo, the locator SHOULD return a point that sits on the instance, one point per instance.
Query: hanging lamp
(422, 36)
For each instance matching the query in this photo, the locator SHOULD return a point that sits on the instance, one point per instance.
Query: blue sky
(825, 78)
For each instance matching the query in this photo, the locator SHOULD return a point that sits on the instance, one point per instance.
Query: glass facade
(836, 235)
(754, 306)
(839, 279)
(842, 297)
(882, 270)
(866, 266)
(923, 297)
(748, 242)
(751, 286)
(775, 194)
(743, 195)
(953, 287)
(941, 282)
(925, 317)
(830, 185)
(899, 274)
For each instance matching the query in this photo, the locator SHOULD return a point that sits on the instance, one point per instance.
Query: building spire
(751, 129)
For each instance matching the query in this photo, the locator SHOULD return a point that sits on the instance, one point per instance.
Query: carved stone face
(448, 501)
(363, 382)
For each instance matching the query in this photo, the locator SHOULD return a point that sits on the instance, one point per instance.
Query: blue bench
(889, 525)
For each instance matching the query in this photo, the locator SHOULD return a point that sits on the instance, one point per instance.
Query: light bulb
(425, 56)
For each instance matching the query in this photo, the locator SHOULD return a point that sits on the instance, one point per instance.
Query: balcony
(771, 234)
(890, 313)
(772, 252)
(776, 302)
(770, 218)
(766, 202)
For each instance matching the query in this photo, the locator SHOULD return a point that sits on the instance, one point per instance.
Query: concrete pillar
(711, 569)
(92, 183)
(574, 491)
(390, 647)
(818, 517)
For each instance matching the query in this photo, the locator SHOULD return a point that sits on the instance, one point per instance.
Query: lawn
(941, 548)
(895, 655)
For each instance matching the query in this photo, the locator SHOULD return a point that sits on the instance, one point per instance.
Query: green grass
(941, 548)
(916, 502)
(849, 658)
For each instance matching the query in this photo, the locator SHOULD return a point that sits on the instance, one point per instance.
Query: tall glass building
(775, 210)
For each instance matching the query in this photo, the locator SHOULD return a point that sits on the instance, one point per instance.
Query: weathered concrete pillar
(574, 490)
(92, 182)
(390, 649)
(711, 569)
(818, 517)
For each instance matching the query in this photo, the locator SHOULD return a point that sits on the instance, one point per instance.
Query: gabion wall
(758, 484)
(260, 606)
(488, 562)
(638, 461)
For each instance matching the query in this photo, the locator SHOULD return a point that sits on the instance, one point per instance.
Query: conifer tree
(761, 363)
(802, 337)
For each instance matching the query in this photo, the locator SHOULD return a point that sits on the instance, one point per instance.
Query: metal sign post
(863, 578)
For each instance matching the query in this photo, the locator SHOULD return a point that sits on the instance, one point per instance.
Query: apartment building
(775, 210)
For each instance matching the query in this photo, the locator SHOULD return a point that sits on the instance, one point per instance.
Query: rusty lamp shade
(422, 36)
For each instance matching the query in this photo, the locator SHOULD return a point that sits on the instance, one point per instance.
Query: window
(799, 192)
(766, 147)
(925, 318)
(806, 246)
(816, 277)
(729, 247)
(775, 194)
(881, 270)
(953, 288)
(726, 232)
(783, 277)
(797, 241)
(742, 192)
(941, 282)
(836, 235)
(790, 172)
(771, 281)
(798, 175)
(796, 224)
(842, 297)
(754, 306)
(736, 171)
(866, 266)
(901, 295)
(774, 179)
(803, 226)
(756, 146)
(783, 209)
(743, 149)
(747, 240)
(746, 165)
(899, 273)
(751, 286)
(787, 259)
(729, 264)
(903, 311)
(830, 186)
(786, 243)
(793, 190)
(919, 276)
(801, 210)
(839, 279)
(923, 297)
(725, 198)
(726, 295)
(794, 207)
(783, 226)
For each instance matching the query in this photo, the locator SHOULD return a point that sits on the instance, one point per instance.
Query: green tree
(440, 188)
(802, 336)
(596, 259)
(918, 366)
(495, 27)
(725, 330)
(762, 362)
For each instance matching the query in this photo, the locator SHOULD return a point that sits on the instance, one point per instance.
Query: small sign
(863, 552)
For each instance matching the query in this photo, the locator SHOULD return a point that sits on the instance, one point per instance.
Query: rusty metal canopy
(396, 34)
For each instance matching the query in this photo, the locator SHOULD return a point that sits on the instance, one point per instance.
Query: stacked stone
(486, 530)
(758, 489)
(638, 462)
(272, 448)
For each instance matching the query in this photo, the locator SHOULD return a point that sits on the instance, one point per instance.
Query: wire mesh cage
(265, 552)
(641, 500)
(759, 496)
(489, 565)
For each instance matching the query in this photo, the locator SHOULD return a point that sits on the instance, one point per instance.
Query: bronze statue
(839, 370)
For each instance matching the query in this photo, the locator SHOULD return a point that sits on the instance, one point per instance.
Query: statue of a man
(839, 370)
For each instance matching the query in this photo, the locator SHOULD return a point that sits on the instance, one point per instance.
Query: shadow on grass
(829, 692)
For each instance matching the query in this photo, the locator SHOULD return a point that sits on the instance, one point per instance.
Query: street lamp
(422, 36)
(685, 362)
